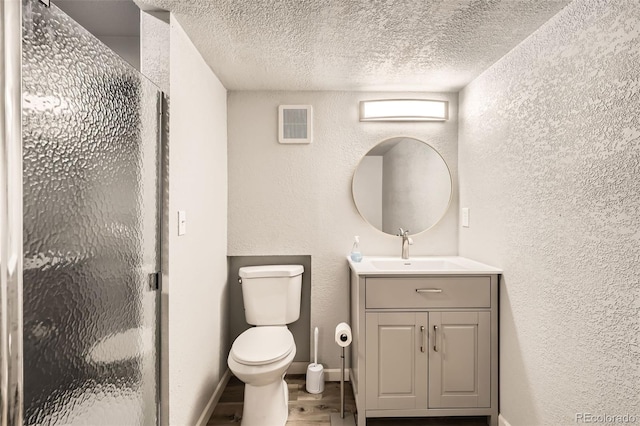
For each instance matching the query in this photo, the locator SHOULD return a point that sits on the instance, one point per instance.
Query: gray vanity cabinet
(460, 360)
(425, 346)
(396, 360)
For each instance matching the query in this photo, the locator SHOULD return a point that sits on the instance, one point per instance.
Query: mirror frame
(446, 209)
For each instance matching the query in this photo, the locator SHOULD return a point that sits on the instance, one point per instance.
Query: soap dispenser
(356, 256)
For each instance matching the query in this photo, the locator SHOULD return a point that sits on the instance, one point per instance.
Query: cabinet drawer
(428, 292)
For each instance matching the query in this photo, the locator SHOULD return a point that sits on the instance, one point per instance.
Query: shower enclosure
(79, 227)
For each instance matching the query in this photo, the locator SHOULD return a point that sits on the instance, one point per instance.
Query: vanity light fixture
(404, 110)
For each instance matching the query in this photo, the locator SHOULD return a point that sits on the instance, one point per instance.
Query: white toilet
(261, 355)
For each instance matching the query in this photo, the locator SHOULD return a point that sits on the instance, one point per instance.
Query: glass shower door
(90, 126)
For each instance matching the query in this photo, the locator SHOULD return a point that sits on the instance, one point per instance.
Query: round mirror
(402, 183)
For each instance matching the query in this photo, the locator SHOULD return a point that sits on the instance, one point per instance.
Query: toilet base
(266, 405)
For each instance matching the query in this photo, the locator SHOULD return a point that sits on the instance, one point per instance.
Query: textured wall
(296, 199)
(550, 167)
(154, 48)
(197, 260)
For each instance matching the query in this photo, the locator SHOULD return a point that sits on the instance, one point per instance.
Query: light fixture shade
(404, 110)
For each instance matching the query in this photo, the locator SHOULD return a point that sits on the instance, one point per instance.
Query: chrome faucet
(406, 242)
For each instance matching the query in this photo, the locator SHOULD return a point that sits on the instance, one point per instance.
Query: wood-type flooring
(307, 409)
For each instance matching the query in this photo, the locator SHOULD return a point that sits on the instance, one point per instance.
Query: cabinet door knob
(422, 345)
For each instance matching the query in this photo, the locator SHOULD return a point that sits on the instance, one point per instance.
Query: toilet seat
(262, 345)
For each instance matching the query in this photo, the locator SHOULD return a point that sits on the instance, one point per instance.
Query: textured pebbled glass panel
(90, 229)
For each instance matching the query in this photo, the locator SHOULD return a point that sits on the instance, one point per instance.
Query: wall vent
(295, 124)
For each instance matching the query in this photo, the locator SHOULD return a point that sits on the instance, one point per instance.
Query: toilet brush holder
(315, 371)
(315, 378)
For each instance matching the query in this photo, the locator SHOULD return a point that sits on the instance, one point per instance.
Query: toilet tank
(271, 293)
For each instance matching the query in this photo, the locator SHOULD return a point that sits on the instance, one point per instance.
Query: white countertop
(420, 265)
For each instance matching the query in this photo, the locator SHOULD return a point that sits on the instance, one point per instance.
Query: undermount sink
(374, 265)
(414, 265)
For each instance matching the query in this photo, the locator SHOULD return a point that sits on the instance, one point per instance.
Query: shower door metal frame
(159, 243)
(11, 251)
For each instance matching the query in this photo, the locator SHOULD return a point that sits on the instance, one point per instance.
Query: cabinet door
(459, 359)
(396, 360)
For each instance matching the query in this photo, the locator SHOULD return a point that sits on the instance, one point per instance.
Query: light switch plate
(182, 222)
(465, 217)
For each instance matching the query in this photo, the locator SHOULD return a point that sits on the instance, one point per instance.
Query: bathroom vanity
(425, 337)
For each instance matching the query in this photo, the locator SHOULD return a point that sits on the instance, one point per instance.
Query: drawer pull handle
(422, 335)
(428, 290)
(435, 338)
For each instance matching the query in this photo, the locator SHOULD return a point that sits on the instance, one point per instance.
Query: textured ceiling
(425, 45)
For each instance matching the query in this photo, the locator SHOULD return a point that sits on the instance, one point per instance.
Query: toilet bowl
(261, 355)
(260, 358)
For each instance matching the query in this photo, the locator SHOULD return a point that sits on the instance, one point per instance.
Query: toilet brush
(315, 371)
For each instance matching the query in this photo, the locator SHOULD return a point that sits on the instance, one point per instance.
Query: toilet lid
(262, 345)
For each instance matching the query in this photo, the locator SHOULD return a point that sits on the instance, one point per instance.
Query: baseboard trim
(215, 397)
(502, 421)
(330, 374)
(333, 374)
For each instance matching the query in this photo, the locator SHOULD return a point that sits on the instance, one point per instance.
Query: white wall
(550, 167)
(296, 199)
(127, 47)
(197, 260)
